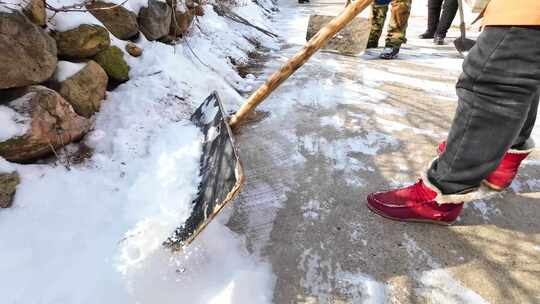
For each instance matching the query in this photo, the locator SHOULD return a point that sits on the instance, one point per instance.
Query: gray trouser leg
(498, 100)
(523, 140)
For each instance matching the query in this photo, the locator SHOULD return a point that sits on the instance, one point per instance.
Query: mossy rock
(8, 186)
(112, 61)
(82, 42)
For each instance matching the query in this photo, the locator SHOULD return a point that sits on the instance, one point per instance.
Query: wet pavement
(345, 126)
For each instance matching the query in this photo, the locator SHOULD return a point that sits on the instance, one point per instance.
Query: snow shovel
(463, 44)
(351, 40)
(220, 168)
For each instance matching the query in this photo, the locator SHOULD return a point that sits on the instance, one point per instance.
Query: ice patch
(312, 210)
(319, 273)
(66, 69)
(392, 126)
(437, 284)
(333, 121)
(440, 287)
(486, 210)
(362, 288)
(373, 77)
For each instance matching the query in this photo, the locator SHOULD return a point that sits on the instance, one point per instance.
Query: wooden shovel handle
(312, 46)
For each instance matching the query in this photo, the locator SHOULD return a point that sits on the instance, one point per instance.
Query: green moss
(82, 42)
(112, 61)
(8, 186)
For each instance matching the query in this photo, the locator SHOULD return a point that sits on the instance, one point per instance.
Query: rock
(35, 11)
(192, 3)
(155, 20)
(120, 21)
(8, 186)
(27, 53)
(112, 61)
(54, 124)
(198, 11)
(86, 89)
(169, 39)
(351, 40)
(180, 23)
(133, 49)
(82, 42)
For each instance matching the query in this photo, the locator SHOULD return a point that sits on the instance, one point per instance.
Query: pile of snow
(94, 233)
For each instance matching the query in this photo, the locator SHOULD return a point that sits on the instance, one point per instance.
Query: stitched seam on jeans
(473, 107)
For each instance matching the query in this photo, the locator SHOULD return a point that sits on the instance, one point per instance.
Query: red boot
(507, 170)
(416, 203)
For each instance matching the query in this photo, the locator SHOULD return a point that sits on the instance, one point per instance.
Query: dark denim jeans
(440, 23)
(498, 100)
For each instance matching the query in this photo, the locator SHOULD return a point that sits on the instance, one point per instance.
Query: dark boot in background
(434, 12)
(449, 11)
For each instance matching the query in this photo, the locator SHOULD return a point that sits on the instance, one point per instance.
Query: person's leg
(378, 16)
(449, 11)
(434, 13)
(497, 91)
(523, 141)
(397, 29)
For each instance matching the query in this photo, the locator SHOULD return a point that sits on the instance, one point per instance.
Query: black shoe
(389, 53)
(438, 40)
(427, 35)
(372, 45)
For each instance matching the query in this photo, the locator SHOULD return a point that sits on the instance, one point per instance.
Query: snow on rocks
(66, 69)
(13, 123)
(85, 89)
(53, 124)
(155, 20)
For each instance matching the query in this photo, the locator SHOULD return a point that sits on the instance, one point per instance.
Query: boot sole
(493, 187)
(409, 220)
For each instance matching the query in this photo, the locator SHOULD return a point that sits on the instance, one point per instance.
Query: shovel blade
(464, 44)
(351, 40)
(220, 170)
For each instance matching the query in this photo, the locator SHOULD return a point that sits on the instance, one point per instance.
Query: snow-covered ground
(93, 233)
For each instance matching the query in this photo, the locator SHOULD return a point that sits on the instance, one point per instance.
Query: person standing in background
(438, 24)
(401, 10)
